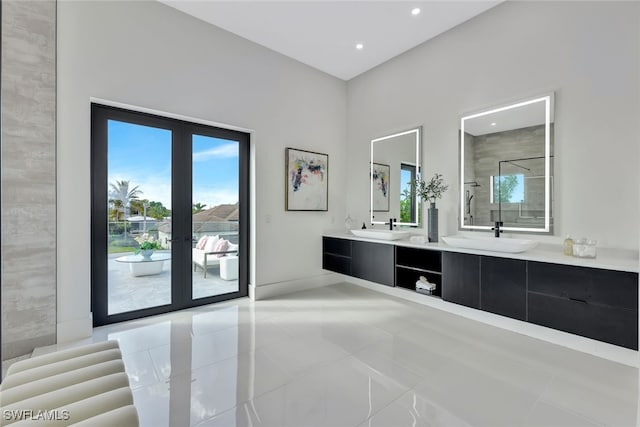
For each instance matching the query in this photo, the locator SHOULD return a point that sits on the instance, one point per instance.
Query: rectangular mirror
(394, 166)
(506, 167)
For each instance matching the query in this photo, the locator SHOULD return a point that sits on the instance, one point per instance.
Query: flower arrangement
(146, 243)
(431, 190)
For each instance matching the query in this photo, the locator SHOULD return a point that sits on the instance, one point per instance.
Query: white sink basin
(502, 244)
(381, 234)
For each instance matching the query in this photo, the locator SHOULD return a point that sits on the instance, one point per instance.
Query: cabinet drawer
(593, 285)
(336, 246)
(419, 258)
(337, 263)
(612, 325)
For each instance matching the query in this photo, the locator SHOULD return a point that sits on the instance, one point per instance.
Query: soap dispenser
(568, 246)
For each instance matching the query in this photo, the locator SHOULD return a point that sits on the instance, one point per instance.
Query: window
(507, 189)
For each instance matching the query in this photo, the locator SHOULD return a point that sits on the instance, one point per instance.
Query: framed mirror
(394, 166)
(506, 167)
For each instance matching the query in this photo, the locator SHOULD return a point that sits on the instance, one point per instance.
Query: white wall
(587, 52)
(149, 55)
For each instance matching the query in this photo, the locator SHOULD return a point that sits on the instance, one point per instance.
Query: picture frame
(306, 180)
(380, 178)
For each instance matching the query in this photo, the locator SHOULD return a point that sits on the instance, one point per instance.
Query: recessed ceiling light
(359, 46)
(493, 124)
(415, 11)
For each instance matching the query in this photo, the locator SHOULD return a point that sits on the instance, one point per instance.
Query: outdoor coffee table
(139, 266)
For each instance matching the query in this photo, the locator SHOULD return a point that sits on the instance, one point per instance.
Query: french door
(169, 214)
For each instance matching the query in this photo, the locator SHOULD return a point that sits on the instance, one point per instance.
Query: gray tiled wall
(513, 144)
(28, 175)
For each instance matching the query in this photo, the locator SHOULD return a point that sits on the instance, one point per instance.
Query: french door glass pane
(215, 215)
(139, 220)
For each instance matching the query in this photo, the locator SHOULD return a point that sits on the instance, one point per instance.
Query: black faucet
(496, 228)
(390, 223)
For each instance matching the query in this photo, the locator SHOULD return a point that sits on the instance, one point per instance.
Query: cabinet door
(373, 262)
(503, 286)
(461, 279)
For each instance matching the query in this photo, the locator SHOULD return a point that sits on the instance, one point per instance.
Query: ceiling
(324, 34)
(507, 118)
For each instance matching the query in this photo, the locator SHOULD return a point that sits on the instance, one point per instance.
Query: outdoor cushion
(211, 243)
(201, 242)
(221, 246)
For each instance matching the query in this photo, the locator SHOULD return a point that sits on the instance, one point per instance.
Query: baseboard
(564, 339)
(75, 329)
(286, 287)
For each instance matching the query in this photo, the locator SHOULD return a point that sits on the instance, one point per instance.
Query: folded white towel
(424, 284)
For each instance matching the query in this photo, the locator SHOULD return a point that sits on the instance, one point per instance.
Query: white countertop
(607, 258)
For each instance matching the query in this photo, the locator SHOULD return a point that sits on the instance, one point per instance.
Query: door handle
(584, 301)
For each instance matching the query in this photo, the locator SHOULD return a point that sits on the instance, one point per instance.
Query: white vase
(146, 254)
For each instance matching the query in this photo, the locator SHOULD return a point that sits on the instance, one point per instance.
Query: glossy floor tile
(348, 356)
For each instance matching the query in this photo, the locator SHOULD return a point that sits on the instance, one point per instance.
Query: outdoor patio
(128, 293)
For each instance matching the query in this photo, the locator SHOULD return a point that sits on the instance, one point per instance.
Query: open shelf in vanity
(411, 263)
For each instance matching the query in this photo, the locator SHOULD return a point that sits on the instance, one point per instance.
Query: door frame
(181, 193)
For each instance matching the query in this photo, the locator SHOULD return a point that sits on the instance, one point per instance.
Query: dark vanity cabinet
(591, 302)
(461, 279)
(595, 303)
(503, 286)
(365, 260)
(411, 263)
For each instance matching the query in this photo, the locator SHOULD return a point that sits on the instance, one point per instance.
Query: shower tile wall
(28, 175)
(487, 150)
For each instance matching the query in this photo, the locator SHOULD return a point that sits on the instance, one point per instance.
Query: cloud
(223, 151)
(216, 197)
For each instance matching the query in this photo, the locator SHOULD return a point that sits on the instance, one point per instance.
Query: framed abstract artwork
(306, 180)
(380, 187)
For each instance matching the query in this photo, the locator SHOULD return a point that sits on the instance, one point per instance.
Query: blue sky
(142, 156)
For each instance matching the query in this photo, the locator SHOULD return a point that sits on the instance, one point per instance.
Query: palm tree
(198, 207)
(116, 209)
(120, 191)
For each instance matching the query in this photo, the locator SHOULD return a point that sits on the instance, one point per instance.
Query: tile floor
(348, 356)
(128, 293)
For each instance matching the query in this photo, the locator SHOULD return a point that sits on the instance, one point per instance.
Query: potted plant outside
(147, 244)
